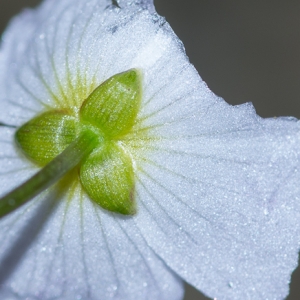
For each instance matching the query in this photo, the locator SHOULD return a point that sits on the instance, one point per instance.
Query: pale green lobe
(108, 178)
(47, 135)
(113, 106)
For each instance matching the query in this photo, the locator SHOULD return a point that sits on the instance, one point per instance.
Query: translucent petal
(66, 247)
(145, 4)
(62, 61)
(59, 62)
(22, 85)
(219, 200)
(14, 167)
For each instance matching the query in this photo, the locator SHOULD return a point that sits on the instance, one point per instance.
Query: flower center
(109, 112)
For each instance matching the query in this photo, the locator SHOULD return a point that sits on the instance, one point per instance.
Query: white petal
(68, 248)
(144, 4)
(68, 50)
(14, 167)
(22, 85)
(219, 200)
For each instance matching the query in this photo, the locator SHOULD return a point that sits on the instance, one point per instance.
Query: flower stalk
(51, 173)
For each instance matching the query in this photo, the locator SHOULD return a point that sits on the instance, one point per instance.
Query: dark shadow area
(244, 50)
(192, 294)
(11, 8)
(294, 286)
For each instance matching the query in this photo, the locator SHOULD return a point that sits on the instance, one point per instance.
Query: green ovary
(110, 111)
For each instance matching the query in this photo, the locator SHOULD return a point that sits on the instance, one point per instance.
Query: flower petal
(24, 90)
(144, 4)
(14, 168)
(71, 249)
(59, 62)
(219, 200)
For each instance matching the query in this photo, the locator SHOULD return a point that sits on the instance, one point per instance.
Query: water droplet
(266, 212)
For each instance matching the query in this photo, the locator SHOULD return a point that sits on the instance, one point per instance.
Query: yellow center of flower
(108, 113)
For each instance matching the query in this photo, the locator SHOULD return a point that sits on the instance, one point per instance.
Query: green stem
(50, 174)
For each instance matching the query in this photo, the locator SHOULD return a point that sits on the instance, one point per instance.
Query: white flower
(217, 187)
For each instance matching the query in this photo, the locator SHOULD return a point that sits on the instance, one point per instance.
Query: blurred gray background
(244, 50)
